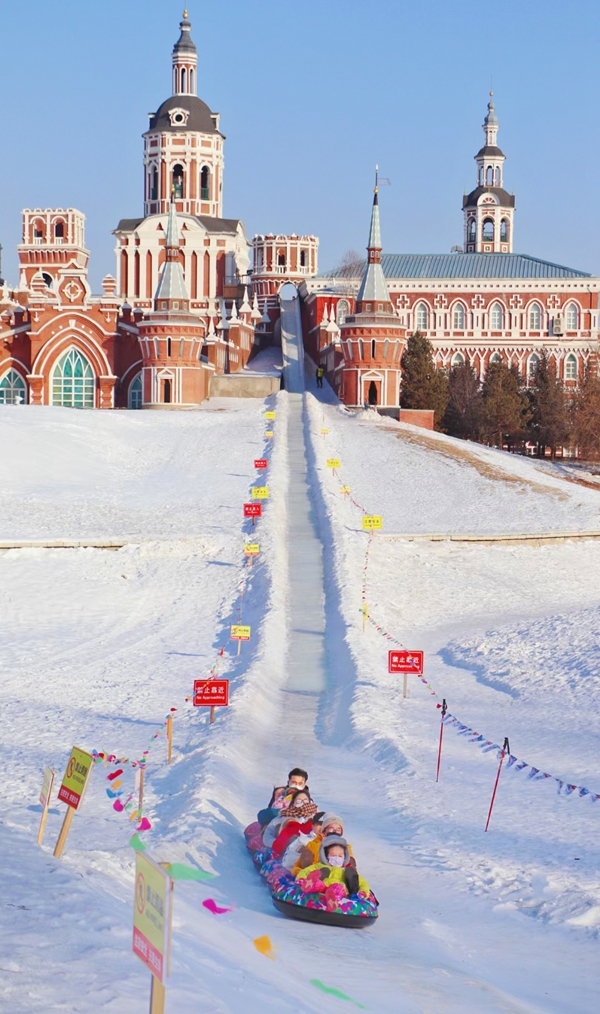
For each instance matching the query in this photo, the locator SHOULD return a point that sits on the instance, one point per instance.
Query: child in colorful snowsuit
(333, 874)
(332, 824)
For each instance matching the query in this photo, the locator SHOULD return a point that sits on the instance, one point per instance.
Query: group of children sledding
(309, 843)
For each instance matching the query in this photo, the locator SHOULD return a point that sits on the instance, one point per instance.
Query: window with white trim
(13, 390)
(572, 317)
(496, 317)
(532, 364)
(496, 358)
(535, 317)
(458, 317)
(458, 359)
(342, 311)
(422, 317)
(570, 368)
(73, 381)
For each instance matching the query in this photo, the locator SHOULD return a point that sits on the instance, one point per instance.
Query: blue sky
(311, 94)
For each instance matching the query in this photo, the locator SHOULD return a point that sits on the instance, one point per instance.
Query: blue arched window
(135, 392)
(13, 390)
(73, 381)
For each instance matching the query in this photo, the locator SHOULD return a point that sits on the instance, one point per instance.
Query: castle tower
(183, 147)
(372, 338)
(171, 338)
(53, 253)
(489, 210)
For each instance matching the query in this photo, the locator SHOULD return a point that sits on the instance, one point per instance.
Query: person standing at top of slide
(320, 375)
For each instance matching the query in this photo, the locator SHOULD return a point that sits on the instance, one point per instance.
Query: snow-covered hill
(98, 645)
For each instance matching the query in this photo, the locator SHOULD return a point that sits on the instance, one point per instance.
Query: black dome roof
(505, 200)
(200, 116)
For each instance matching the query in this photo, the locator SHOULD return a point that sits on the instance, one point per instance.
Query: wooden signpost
(251, 549)
(72, 791)
(371, 521)
(152, 919)
(211, 694)
(401, 660)
(45, 794)
(324, 431)
(239, 633)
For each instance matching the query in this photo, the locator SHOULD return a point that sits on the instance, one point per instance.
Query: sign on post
(152, 915)
(251, 549)
(333, 463)
(371, 521)
(269, 415)
(268, 433)
(45, 796)
(211, 693)
(239, 633)
(344, 490)
(72, 790)
(260, 464)
(405, 661)
(260, 492)
(252, 510)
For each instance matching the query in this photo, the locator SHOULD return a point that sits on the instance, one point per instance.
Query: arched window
(361, 349)
(303, 258)
(205, 183)
(178, 182)
(183, 79)
(154, 185)
(496, 358)
(281, 260)
(570, 368)
(166, 392)
(59, 231)
(532, 364)
(488, 230)
(504, 231)
(73, 381)
(373, 349)
(472, 230)
(169, 341)
(135, 392)
(572, 317)
(48, 279)
(386, 348)
(13, 390)
(458, 317)
(421, 317)
(489, 177)
(350, 350)
(191, 80)
(458, 359)
(342, 311)
(497, 175)
(496, 317)
(535, 317)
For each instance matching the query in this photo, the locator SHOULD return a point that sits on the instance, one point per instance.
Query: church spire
(185, 60)
(171, 293)
(373, 294)
(489, 209)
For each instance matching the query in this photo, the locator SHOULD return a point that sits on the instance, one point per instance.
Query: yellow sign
(269, 433)
(75, 778)
(324, 432)
(344, 489)
(269, 415)
(252, 549)
(333, 463)
(372, 521)
(239, 633)
(260, 492)
(152, 915)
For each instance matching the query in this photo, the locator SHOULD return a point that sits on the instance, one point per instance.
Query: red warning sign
(211, 693)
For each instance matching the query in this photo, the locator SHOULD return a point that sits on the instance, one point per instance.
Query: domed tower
(489, 210)
(183, 147)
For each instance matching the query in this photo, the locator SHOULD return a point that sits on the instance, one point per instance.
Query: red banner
(406, 661)
(211, 693)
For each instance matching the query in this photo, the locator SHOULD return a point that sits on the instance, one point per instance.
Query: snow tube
(353, 911)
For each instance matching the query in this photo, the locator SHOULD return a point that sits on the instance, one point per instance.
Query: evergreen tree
(549, 425)
(504, 403)
(422, 385)
(586, 416)
(464, 413)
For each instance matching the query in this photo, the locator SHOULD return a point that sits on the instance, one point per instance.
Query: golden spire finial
(185, 14)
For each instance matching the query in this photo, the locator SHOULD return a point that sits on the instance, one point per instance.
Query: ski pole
(503, 752)
(439, 760)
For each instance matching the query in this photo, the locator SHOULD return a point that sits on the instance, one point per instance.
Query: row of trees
(504, 409)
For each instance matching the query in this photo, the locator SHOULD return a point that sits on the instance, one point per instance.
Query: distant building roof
(220, 225)
(505, 199)
(469, 265)
(199, 117)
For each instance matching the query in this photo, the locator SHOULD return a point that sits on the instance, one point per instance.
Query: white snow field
(98, 645)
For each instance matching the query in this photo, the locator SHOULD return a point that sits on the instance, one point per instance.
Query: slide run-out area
(98, 645)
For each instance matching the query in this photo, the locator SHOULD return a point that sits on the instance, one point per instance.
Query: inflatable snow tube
(330, 907)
